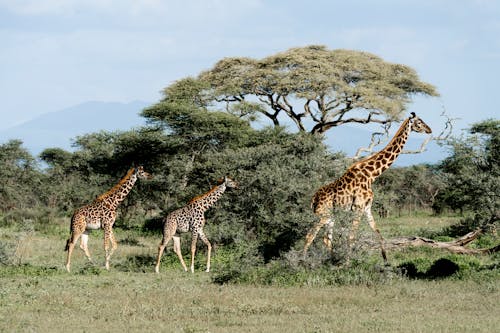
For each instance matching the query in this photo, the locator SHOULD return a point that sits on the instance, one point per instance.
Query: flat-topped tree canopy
(315, 87)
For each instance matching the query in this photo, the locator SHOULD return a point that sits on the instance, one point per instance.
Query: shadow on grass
(441, 268)
(137, 263)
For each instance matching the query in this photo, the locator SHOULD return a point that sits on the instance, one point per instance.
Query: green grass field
(37, 295)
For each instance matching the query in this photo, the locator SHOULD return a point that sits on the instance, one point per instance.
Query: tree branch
(324, 126)
(376, 139)
(379, 138)
(455, 246)
(443, 135)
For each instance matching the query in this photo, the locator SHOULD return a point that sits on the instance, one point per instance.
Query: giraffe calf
(101, 213)
(191, 218)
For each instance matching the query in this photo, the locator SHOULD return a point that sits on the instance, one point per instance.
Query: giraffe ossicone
(191, 218)
(101, 213)
(352, 191)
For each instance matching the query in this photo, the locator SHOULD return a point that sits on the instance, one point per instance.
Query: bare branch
(454, 246)
(376, 139)
(443, 135)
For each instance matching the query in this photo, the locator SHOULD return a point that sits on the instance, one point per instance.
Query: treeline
(202, 130)
(187, 148)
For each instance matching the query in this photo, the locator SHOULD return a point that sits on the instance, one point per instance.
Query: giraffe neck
(377, 163)
(117, 194)
(207, 200)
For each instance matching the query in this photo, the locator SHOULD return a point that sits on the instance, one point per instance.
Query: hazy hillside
(58, 129)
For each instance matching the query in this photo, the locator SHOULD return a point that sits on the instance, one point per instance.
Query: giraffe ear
(412, 115)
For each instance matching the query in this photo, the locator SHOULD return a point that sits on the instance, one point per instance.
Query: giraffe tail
(66, 248)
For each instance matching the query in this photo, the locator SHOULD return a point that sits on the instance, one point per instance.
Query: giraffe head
(140, 173)
(418, 125)
(230, 183)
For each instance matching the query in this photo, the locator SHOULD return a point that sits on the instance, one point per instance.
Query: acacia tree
(20, 178)
(473, 171)
(310, 85)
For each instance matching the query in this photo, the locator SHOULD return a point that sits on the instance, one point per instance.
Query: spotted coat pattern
(352, 191)
(101, 213)
(191, 218)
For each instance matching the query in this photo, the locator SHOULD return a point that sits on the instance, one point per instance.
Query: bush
(277, 180)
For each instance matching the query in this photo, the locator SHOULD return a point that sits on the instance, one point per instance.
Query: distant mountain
(58, 129)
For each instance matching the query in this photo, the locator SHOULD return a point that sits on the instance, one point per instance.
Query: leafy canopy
(473, 170)
(310, 85)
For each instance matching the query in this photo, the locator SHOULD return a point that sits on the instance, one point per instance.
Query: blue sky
(55, 54)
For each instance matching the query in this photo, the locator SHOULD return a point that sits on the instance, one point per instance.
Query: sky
(55, 54)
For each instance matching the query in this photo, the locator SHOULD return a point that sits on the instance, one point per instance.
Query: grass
(177, 302)
(37, 295)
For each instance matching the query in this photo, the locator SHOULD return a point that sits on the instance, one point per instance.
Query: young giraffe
(101, 214)
(191, 218)
(353, 191)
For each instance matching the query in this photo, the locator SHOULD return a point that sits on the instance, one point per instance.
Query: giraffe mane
(117, 186)
(201, 196)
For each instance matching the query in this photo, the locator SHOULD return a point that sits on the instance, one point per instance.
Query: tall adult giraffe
(353, 190)
(101, 213)
(191, 218)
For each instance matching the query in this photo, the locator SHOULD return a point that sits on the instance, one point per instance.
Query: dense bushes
(187, 148)
(473, 175)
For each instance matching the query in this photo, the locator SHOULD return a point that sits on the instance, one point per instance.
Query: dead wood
(456, 246)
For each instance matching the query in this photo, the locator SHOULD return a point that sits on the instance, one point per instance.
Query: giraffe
(352, 191)
(191, 218)
(101, 213)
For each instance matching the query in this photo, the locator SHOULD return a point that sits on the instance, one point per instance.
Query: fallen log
(454, 246)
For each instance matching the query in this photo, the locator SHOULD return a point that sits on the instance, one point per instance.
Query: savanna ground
(38, 295)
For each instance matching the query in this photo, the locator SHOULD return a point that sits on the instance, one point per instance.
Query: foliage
(187, 146)
(334, 87)
(277, 179)
(407, 189)
(473, 173)
(20, 180)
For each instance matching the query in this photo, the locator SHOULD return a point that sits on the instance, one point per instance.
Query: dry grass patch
(177, 302)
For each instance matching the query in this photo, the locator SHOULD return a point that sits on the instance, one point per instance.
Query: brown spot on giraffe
(352, 191)
(191, 218)
(101, 213)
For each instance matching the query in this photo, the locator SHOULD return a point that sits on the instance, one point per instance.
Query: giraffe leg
(167, 235)
(354, 230)
(109, 238)
(352, 235)
(209, 248)
(177, 250)
(84, 244)
(77, 228)
(73, 238)
(328, 238)
(311, 235)
(114, 243)
(193, 249)
(371, 222)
